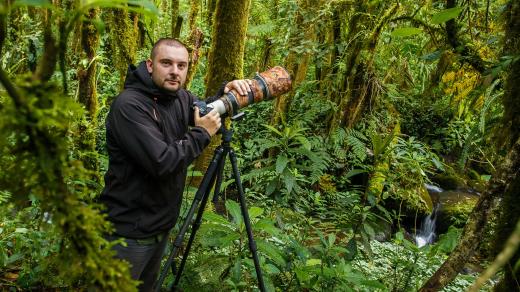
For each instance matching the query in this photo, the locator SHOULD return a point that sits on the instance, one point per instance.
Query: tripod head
(227, 134)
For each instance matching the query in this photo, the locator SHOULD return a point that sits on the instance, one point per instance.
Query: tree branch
(18, 99)
(3, 31)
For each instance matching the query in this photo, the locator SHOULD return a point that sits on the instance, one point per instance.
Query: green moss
(448, 181)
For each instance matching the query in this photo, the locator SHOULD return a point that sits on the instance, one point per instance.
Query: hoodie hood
(139, 78)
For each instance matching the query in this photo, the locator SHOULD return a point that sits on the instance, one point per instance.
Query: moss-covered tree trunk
(176, 20)
(360, 84)
(225, 61)
(87, 91)
(195, 40)
(296, 63)
(210, 12)
(3, 31)
(504, 183)
(339, 87)
(123, 44)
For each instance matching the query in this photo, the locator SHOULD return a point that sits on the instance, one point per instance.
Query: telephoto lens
(266, 86)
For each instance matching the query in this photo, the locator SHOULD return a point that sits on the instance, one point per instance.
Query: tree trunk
(501, 184)
(296, 63)
(225, 61)
(210, 12)
(123, 34)
(87, 91)
(175, 16)
(360, 84)
(194, 12)
(195, 44)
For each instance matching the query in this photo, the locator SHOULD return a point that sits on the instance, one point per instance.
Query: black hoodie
(150, 145)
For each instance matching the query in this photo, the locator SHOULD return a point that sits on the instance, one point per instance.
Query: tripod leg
(247, 222)
(196, 224)
(202, 192)
(219, 176)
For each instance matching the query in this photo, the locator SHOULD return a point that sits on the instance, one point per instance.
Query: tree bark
(296, 64)
(124, 41)
(87, 92)
(194, 12)
(175, 15)
(3, 31)
(210, 12)
(195, 45)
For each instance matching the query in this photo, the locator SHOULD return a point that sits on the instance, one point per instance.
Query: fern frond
(4, 197)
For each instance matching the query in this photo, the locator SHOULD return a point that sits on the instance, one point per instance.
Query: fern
(355, 140)
(4, 197)
(479, 129)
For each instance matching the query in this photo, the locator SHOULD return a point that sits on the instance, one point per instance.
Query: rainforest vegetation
(402, 115)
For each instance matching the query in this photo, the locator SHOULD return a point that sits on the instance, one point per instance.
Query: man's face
(169, 67)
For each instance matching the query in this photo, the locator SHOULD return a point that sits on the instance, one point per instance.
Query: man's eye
(182, 66)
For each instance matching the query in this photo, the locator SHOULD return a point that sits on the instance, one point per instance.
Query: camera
(266, 86)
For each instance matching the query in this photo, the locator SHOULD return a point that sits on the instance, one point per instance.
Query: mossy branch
(18, 99)
(374, 36)
(3, 31)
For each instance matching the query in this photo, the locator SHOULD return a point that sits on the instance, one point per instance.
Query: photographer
(152, 135)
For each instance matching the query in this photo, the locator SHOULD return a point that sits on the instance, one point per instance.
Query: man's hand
(211, 121)
(242, 86)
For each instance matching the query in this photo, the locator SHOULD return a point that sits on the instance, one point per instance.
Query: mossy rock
(448, 181)
(455, 209)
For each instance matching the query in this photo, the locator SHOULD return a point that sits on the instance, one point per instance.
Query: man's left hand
(242, 86)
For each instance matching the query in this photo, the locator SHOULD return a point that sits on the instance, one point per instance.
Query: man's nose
(175, 70)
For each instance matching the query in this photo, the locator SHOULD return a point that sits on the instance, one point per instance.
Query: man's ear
(149, 66)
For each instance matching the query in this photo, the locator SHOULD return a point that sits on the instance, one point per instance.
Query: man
(153, 134)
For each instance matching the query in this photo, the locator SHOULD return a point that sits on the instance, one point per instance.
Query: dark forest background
(399, 110)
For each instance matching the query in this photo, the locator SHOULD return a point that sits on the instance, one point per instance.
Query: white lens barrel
(219, 106)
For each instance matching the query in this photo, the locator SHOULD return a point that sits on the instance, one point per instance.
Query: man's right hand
(211, 121)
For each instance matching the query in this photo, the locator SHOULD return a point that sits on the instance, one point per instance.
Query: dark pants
(144, 256)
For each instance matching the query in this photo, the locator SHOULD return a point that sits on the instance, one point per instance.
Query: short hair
(166, 41)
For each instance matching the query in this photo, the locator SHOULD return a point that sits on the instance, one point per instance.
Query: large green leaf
(446, 15)
(255, 212)
(234, 209)
(266, 225)
(281, 163)
(406, 31)
(272, 252)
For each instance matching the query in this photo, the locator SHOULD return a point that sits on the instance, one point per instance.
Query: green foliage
(401, 266)
(411, 165)
(35, 139)
(295, 164)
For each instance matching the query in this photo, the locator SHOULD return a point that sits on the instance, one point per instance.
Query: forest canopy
(391, 165)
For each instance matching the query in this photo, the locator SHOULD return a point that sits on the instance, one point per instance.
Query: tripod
(213, 173)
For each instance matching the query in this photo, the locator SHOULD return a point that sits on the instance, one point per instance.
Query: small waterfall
(426, 234)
